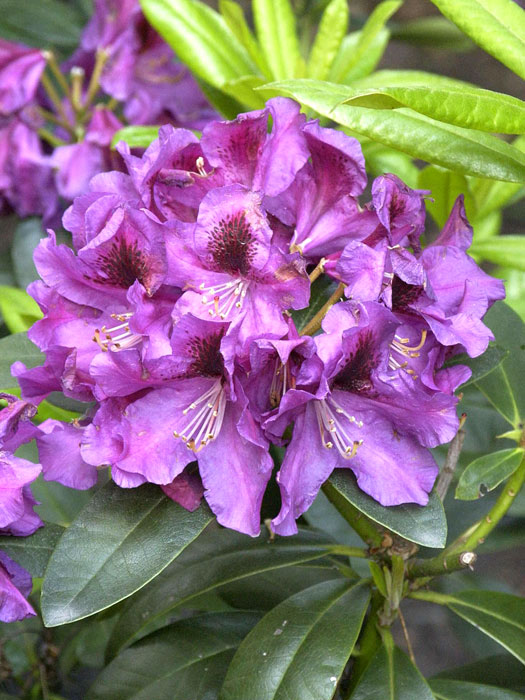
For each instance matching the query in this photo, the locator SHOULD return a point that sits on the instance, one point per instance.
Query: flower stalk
(315, 323)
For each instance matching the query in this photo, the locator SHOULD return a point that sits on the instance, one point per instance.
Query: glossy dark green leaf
(503, 250)
(501, 616)
(332, 29)
(501, 670)
(15, 348)
(482, 365)
(504, 387)
(391, 676)
(121, 540)
(186, 660)
(498, 26)
(487, 472)
(300, 648)
(463, 150)
(33, 552)
(425, 525)
(136, 136)
(469, 107)
(321, 291)
(275, 27)
(461, 690)
(201, 39)
(44, 24)
(58, 504)
(217, 558)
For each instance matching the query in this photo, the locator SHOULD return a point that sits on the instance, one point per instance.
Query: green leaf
(445, 187)
(487, 472)
(501, 670)
(59, 504)
(463, 150)
(243, 90)
(33, 552)
(498, 26)
(444, 689)
(408, 78)
(27, 236)
(499, 615)
(379, 577)
(381, 160)
(504, 387)
(217, 558)
(330, 34)
(15, 348)
(44, 24)
(515, 289)
(186, 660)
(201, 39)
(300, 648)
(391, 676)
(18, 309)
(482, 365)
(425, 525)
(121, 540)
(234, 17)
(136, 136)
(374, 25)
(345, 69)
(321, 291)
(275, 27)
(434, 32)
(505, 250)
(468, 107)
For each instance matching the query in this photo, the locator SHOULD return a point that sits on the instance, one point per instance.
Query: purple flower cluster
(55, 132)
(16, 504)
(172, 319)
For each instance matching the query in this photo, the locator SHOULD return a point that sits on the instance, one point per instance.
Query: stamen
(225, 298)
(332, 421)
(205, 424)
(122, 341)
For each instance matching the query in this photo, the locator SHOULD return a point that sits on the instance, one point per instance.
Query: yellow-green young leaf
(243, 90)
(201, 39)
(445, 186)
(515, 288)
(486, 227)
(498, 26)
(502, 250)
(407, 78)
(381, 160)
(18, 309)
(136, 136)
(379, 577)
(487, 472)
(368, 34)
(332, 29)
(276, 32)
(469, 107)
(464, 150)
(345, 69)
(234, 17)
(435, 32)
(491, 196)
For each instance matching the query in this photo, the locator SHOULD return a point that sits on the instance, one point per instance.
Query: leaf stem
(348, 551)
(436, 566)
(315, 323)
(364, 527)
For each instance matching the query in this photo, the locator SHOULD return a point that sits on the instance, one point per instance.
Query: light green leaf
(499, 615)
(121, 540)
(300, 648)
(408, 78)
(504, 387)
(468, 107)
(391, 676)
(15, 348)
(498, 26)
(487, 226)
(434, 32)
(201, 39)
(330, 34)
(345, 69)
(515, 288)
(487, 472)
(217, 558)
(277, 35)
(445, 186)
(243, 89)
(466, 151)
(367, 36)
(18, 309)
(502, 250)
(136, 136)
(381, 160)
(445, 689)
(33, 552)
(491, 196)
(186, 660)
(425, 525)
(234, 17)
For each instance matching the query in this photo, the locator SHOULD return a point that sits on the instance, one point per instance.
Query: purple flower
(15, 586)
(201, 413)
(20, 72)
